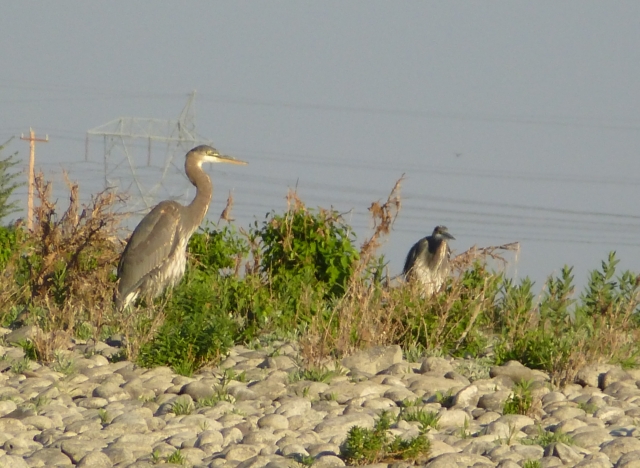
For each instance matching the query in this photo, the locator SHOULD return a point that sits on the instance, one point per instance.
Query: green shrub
(367, 446)
(315, 245)
(8, 184)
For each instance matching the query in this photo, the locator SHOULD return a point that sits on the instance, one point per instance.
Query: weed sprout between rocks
(299, 275)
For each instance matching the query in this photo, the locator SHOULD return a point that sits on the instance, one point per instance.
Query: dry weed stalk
(69, 260)
(226, 213)
(359, 318)
(466, 259)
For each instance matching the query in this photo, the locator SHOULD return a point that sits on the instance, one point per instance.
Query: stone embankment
(253, 412)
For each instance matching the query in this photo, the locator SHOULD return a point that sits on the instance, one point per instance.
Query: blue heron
(428, 260)
(155, 255)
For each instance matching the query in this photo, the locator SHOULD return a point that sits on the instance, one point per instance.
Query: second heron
(428, 260)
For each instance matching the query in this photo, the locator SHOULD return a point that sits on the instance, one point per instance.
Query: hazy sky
(512, 120)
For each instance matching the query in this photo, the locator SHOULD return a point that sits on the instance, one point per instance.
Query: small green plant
(427, 419)
(155, 457)
(532, 464)
(104, 416)
(464, 431)
(521, 400)
(545, 438)
(304, 460)
(367, 446)
(84, 331)
(511, 436)
(214, 399)
(21, 365)
(182, 406)
(445, 399)
(588, 408)
(408, 403)
(63, 364)
(230, 374)
(332, 396)
(29, 349)
(38, 403)
(8, 184)
(314, 374)
(176, 458)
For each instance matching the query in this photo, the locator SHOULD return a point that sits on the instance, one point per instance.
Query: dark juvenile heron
(428, 260)
(155, 256)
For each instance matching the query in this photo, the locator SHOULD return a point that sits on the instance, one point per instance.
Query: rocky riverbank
(257, 409)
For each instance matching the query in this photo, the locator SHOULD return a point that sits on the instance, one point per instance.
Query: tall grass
(300, 275)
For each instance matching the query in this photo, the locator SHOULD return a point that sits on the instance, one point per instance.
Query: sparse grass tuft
(177, 458)
(368, 446)
(545, 438)
(520, 402)
(182, 406)
(427, 419)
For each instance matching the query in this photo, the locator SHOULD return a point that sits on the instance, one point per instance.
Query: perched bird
(428, 260)
(155, 256)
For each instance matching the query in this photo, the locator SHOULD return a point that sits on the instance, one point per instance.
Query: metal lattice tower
(132, 163)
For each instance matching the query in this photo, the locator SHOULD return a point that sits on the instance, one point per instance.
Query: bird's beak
(448, 236)
(228, 159)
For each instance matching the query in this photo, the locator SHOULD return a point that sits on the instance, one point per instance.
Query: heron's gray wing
(413, 254)
(152, 241)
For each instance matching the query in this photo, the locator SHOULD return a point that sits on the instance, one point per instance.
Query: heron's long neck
(197, 209)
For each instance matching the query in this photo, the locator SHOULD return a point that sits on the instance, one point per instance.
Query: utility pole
(32, 157)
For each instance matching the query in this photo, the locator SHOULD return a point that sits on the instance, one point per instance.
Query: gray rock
(436, 365)
(517, 372)
(327, 461)
(26, 333)
(95, 460)
(448, 460)
(595, 460)
(274, 421)
(629, 460)
(615, 448)
(374, 360)
(591, 374)
(565, 453)
(48, 457)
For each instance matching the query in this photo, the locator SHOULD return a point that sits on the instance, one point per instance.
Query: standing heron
(155, 256)
(428, 260)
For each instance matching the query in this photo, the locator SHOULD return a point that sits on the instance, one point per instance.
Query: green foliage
(7, 186)
(564, 332)
(521, 400)
(177, 458)
(532, 464)
(588, 408)
(427, 419)
(545, 438)
(314, 374)
(315, 245)
(217, 252)
(11, 239)
(197, 327)
(367, 446)
(455, 320)
(182, 406)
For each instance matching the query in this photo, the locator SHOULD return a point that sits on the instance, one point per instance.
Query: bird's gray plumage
(428, 260)
(155, 256)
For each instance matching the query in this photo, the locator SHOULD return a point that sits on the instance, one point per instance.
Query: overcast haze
(512, 121)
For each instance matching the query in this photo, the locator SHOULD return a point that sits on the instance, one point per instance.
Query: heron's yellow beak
(222, 158)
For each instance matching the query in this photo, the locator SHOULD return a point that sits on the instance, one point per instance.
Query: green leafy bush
(366, 446)
(314, 245)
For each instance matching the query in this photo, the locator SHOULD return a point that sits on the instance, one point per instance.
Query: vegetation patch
(367, 446)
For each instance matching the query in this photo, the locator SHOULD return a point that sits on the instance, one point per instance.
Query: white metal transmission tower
(144, 156)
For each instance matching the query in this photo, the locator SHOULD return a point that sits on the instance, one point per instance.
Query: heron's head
(441, 232)
(205, 153)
